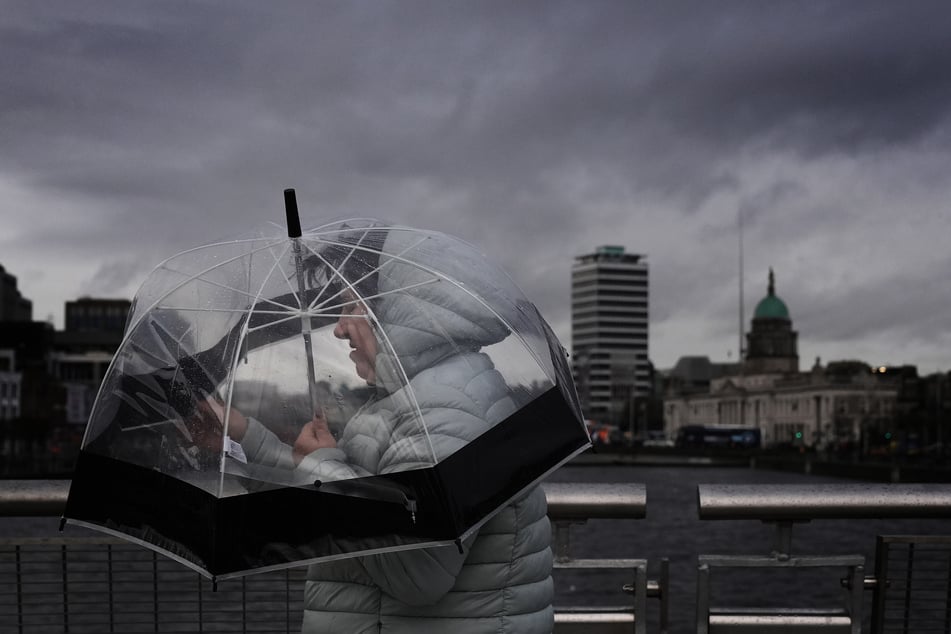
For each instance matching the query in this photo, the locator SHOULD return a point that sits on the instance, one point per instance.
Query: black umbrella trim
(232, 535)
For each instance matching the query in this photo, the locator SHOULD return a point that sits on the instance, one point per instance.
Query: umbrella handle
(293, 217)
(294, 233)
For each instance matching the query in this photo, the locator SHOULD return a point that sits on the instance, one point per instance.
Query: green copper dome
(771, 307)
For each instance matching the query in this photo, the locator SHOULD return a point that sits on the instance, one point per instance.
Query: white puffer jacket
(501, 582)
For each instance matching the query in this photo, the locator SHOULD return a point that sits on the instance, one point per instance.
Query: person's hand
(211, 409)
(313, 436)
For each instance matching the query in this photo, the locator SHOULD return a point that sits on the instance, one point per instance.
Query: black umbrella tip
(293, 217)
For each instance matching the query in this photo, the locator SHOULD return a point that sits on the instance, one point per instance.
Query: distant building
(693, 375)
(771, 343)
(88, 314)
(13, 306)
(25, 347)
(80, 376)
(51, 377)
(609, 328)
(84, 350)
(844, 402)
(10, 389)
(16, 315)
(831, 406)
(93, 325)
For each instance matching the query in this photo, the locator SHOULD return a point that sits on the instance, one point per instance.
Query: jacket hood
(429, 312)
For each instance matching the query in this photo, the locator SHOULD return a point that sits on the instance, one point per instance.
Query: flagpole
(739, 222)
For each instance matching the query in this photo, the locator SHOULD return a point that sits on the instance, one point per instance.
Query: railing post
(62, 554)
(703, 599)
(640, 599)
(782, 539)
(19, 569)
(561, 545)
(664, 592)
(856, 592)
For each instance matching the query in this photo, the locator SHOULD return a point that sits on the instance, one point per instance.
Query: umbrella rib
(274, 323)
(148, 425)
(386, 339)
(234, 368)
(375, 270)
(437, 275)
(143, 351)
(287, 280)
(230, 310)
(462, 287)
(335, 270)
(374, 224)
(146, 352)
(392, 258)
(192, 278)
(435, 280)
(353, 248)
(244, 293)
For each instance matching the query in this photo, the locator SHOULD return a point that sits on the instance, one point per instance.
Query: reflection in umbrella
(252, 329)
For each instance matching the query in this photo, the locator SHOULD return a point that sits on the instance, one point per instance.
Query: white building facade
(609, 332)
(820, 408)
(826, 406)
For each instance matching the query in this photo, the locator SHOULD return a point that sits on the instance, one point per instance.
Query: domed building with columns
(841, 403)
(771, 341)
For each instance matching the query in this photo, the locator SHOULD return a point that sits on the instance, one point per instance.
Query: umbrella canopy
(385, 338)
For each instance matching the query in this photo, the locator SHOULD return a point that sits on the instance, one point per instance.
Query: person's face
(354, 326)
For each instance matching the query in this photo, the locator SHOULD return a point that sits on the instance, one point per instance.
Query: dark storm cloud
(465, 95)
(898, 307)
(818, 76)
(534, 130)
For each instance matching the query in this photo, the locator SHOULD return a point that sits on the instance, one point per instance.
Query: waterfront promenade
(673, 530)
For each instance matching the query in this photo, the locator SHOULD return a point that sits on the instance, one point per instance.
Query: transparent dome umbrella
(439, 393)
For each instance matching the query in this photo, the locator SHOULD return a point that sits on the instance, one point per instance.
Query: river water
(672, 530)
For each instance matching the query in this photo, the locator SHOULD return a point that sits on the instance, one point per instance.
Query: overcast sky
(130, 131)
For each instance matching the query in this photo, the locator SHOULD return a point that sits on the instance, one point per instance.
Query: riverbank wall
(809, 464)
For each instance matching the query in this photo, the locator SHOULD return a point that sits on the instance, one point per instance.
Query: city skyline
(538, 132)
(685, 354)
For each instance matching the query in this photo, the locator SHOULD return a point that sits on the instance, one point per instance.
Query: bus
(692, 436)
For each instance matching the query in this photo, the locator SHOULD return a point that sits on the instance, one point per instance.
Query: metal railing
(785, 505)
(916, 593)
(66, 584)
(93, 584)
(575, 503)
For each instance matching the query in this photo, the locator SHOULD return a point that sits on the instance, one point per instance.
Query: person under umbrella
(399, 327)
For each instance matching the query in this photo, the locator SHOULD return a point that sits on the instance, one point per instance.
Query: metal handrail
(785, 505)
(794, 502)
(33, 498)
(568, 504)
(566, 501)
(596, 500)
